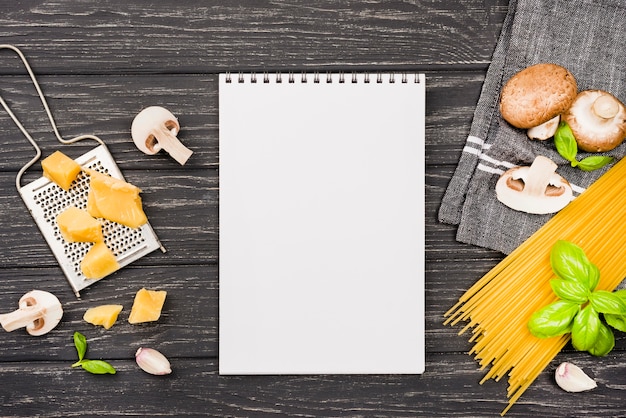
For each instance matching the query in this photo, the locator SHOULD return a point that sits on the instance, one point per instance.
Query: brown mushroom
(598, 121)
(38, 311)
(536, 189)
(537, 94)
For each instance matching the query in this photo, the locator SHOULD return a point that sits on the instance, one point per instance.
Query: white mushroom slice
(545, 130)
(536, 189)
(155, 128)
(38, 311)
(597, 120)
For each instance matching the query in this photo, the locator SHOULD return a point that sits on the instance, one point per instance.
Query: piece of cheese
(98, 262)
(115, 200)
(147, 306)
(77, 225)
(61, 169)
(91, 206)
(104, 315)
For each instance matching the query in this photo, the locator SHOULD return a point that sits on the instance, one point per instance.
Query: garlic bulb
(153, 362)
(571, 378)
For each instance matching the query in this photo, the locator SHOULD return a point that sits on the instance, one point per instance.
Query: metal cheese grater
(45, 200)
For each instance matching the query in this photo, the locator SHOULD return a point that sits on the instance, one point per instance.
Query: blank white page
(321, 266)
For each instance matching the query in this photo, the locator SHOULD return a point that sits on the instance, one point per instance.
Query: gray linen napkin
(581, 35)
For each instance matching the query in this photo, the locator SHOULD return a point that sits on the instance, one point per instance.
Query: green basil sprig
(615, 320)
(567, 147)
(92, 366)
(579, 306)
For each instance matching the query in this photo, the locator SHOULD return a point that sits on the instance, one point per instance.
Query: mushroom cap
(49, 311)
(593, 132)
(143, 127)
(537, 94)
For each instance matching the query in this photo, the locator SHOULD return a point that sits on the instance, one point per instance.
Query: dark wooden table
(99, 64)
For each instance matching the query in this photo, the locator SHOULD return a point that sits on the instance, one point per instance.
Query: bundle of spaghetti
(498, 306)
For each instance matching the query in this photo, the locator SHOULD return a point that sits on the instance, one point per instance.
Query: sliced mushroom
(536, 189)
(537, 94)
(38, 311)
(598, 121)
(155, 128)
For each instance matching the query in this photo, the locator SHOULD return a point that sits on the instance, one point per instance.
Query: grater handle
(48, 112)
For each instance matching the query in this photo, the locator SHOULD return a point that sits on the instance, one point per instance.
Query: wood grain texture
(199, 36)
(195, 389)
(99, 64)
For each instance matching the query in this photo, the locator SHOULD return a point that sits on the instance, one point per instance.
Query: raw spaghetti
(497, 307)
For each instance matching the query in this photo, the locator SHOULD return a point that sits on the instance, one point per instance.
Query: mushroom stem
(20, 318)
(605, 106)
(538, 178)
(169, 142)
(545, 130)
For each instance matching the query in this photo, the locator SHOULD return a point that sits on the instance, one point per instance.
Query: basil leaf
(565, 142)
(593, 276)
(594, 162)
(80, 342)
(553, 320)
(585, 329)
(604, 343)
(97, 367)
(616, 321)
(621, 293)
(569, 262)
(570, 290)
(608, 303)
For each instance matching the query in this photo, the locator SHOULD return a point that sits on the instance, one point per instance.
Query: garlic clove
(153, 362)
(571, 378)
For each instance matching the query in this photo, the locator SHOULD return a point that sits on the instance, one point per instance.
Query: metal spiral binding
(381, 77)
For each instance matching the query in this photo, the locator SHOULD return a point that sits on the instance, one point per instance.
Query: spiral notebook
(321, 266)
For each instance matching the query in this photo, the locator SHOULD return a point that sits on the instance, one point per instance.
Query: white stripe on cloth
(491, 170)
(471, 150)
(476, 140)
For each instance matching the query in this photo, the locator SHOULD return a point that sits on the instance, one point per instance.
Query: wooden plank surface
(199, 36)
(99, 64)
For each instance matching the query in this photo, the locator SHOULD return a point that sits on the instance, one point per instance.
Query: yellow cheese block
(98, 262)
(61, 169)
(77, 225)
(115, 200)
(147, 306)
(104, 315)
(91, 206)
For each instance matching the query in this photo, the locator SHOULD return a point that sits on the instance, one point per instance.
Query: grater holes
(75, 251)
(121, 239)
(97, 166)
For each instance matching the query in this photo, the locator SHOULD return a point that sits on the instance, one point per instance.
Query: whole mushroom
(38, 311)
(598, 121)
(535, 97)
(155, 128)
